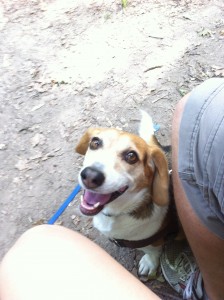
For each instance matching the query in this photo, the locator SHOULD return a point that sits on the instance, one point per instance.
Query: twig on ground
(156, 37)
(164, 96)
(152, 68)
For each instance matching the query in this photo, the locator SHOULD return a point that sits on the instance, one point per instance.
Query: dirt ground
(69, 65)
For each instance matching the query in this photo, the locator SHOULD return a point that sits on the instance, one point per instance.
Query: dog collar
(166, 233)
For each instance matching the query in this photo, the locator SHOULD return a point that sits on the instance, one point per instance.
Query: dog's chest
(125, 226)
(111, 226)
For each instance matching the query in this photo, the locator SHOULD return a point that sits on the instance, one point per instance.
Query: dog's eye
(131, 157)
(95, 143)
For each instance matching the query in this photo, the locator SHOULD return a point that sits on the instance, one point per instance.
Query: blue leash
(64, 205)
(156, 127)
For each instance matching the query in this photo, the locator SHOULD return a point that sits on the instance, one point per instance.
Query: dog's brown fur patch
(144, 210)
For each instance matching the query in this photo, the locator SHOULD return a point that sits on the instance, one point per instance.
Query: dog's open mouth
(93, 203)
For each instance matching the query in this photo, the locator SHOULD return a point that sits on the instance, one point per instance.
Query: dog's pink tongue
(93, 198)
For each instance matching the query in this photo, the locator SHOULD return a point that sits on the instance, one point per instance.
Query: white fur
(150, 261)
(146, 128)
(123, 226)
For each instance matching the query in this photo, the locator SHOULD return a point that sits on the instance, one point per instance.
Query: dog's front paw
(148, 265)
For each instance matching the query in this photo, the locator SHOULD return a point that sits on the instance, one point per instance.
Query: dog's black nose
(92, 178)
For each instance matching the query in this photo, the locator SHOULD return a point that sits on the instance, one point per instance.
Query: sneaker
(180, 270)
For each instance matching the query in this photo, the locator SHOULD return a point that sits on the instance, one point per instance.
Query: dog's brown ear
(160, 188)
(83, 144)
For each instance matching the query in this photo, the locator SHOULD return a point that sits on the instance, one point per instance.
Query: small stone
(3, 147)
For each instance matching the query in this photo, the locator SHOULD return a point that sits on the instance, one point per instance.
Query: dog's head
(123, 167)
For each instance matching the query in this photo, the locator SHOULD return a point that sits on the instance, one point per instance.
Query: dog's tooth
(96, 205)
(87, 206)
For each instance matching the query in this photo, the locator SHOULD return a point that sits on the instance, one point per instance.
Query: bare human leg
(53, 262)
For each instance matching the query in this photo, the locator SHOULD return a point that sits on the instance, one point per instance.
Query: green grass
(124, 3)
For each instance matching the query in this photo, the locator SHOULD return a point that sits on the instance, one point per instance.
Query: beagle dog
(125, 180)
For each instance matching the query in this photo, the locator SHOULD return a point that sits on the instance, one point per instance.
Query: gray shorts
(201, 153)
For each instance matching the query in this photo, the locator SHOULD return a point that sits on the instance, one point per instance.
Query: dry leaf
(221, 32)
(35, 140)
(22, 165)
(219, 73)
(39, 222)
(205, 32)
(37, 107)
